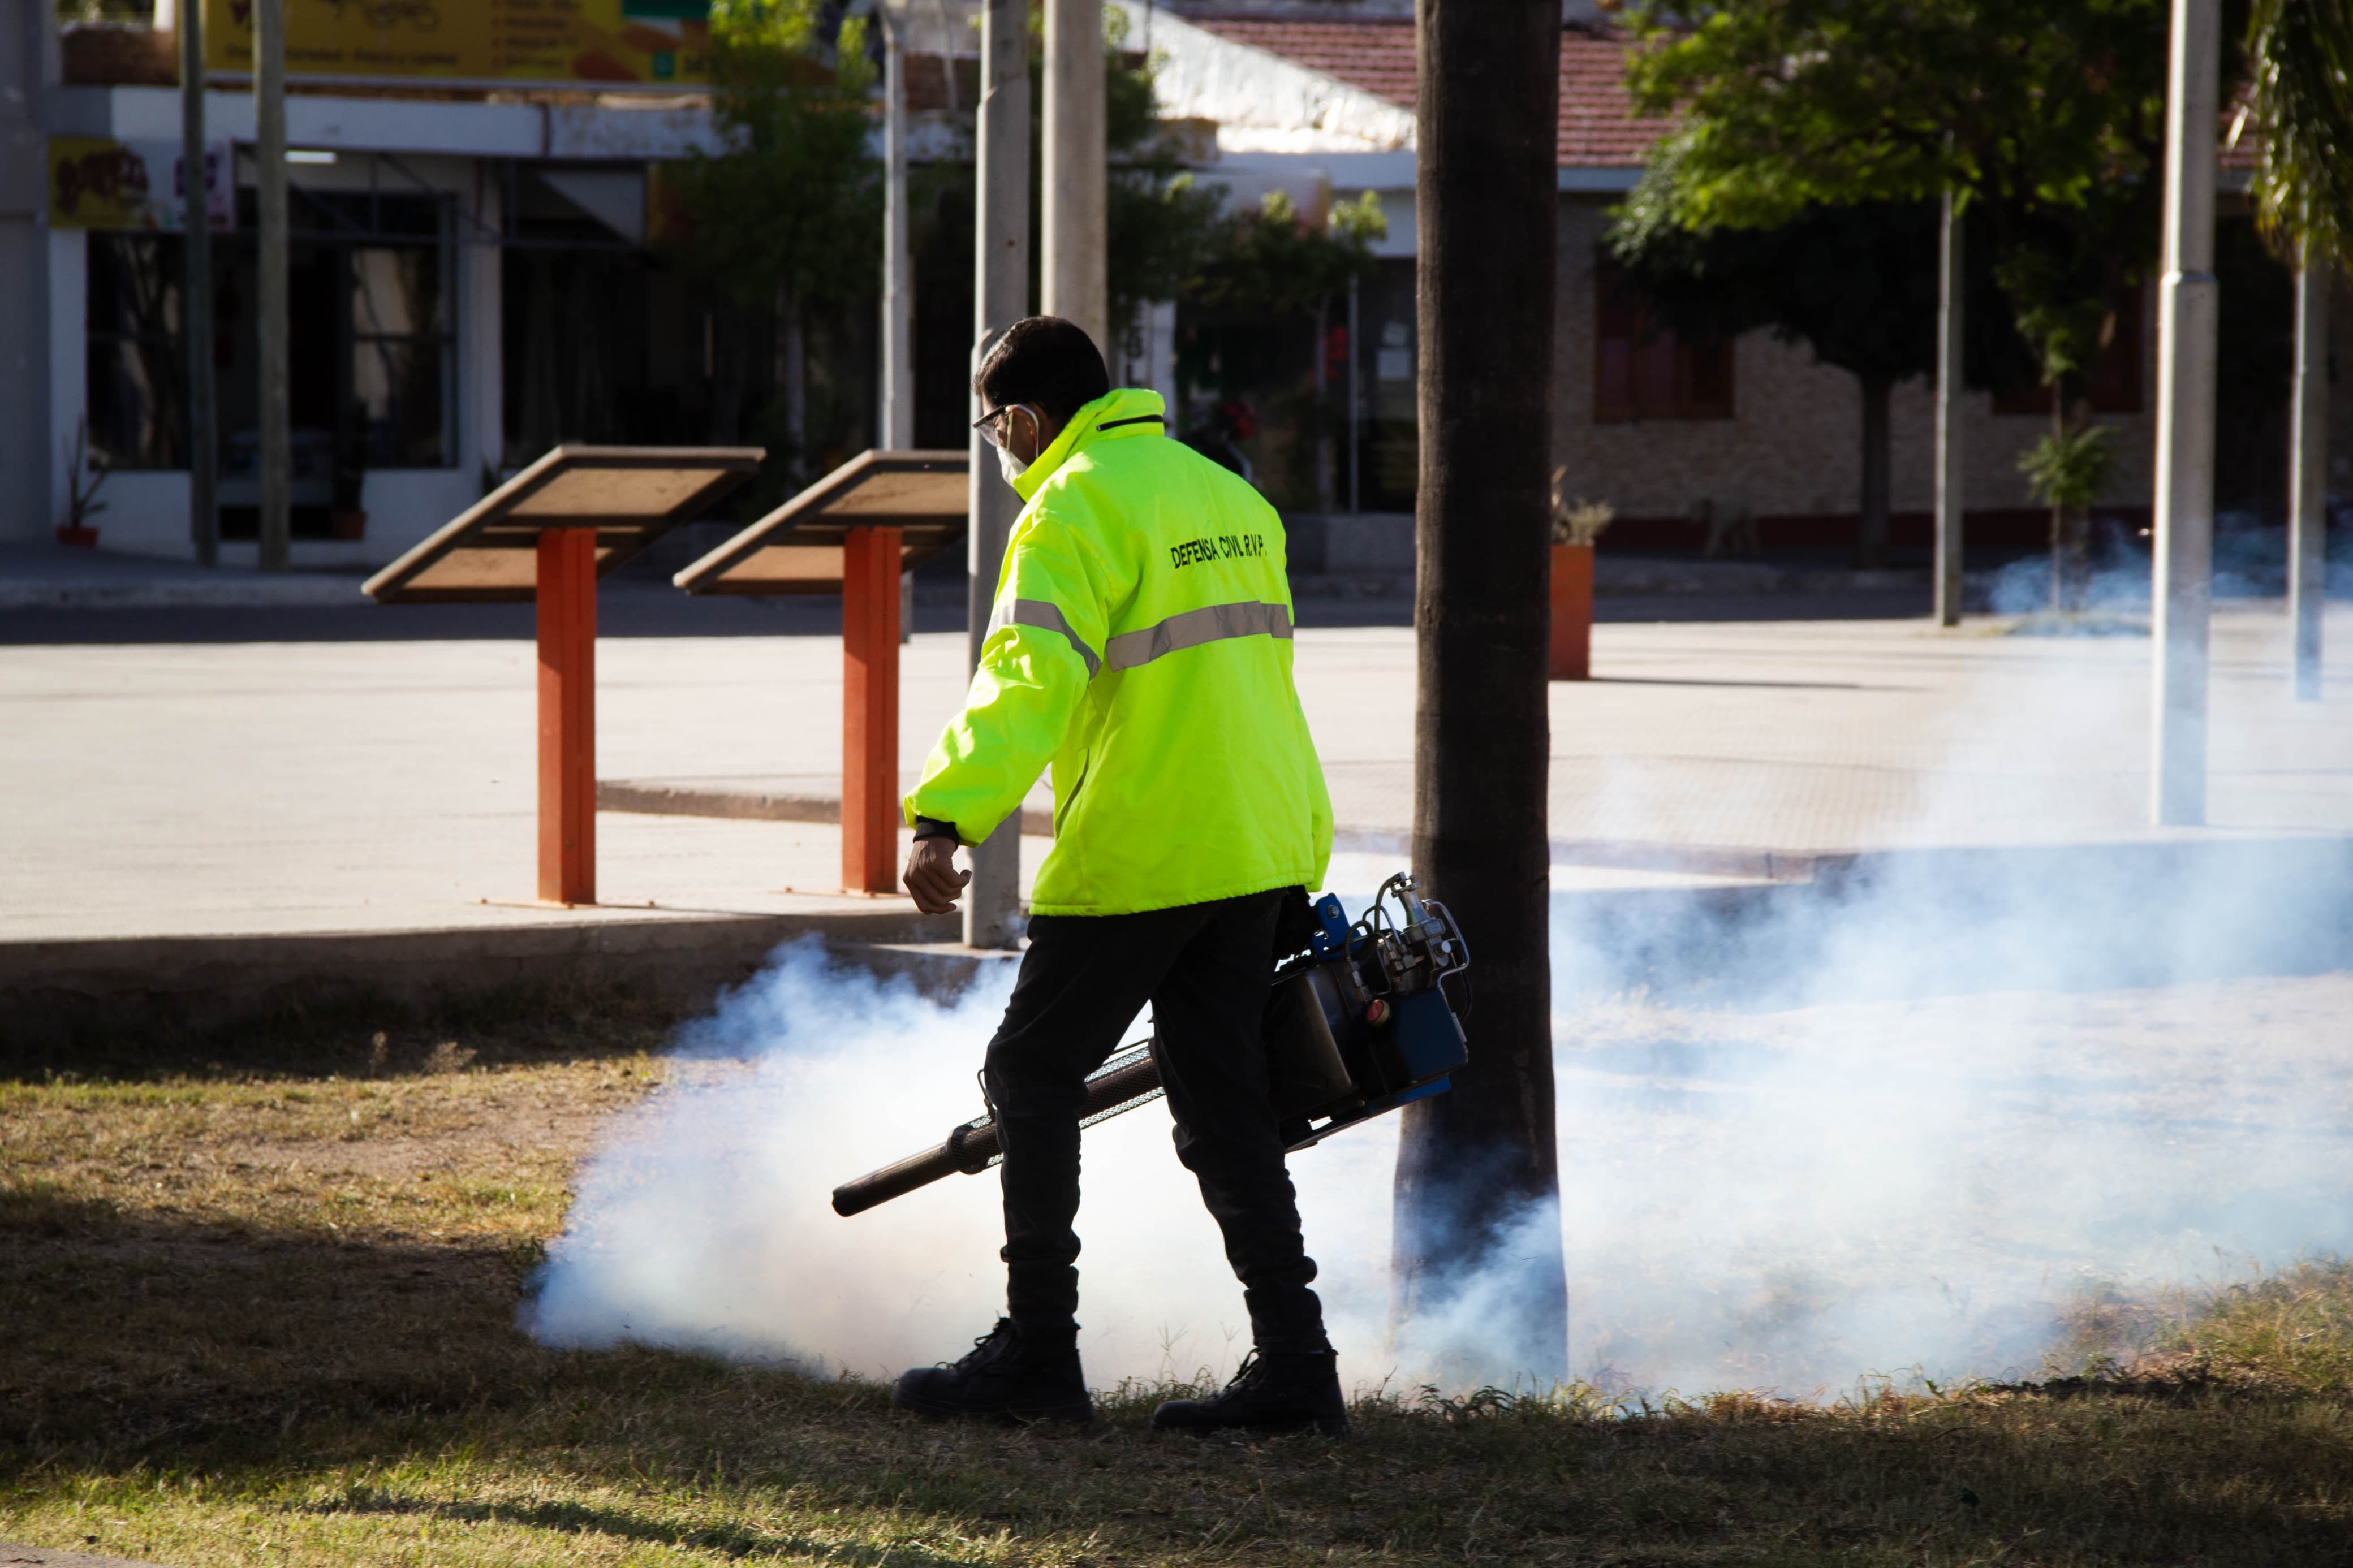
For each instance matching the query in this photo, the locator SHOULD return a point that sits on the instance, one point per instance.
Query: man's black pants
(1205, 969)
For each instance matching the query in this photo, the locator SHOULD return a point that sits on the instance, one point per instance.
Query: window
(132, 322)
(402, 357)
(371, 342)
(1642, 371)
(371, 335)
(2115, 375)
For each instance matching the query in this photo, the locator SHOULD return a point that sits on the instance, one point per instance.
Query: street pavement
(268, 787)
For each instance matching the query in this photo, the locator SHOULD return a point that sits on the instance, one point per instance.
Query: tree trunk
(727, 367)
(1477, 1181)
(792, 380)
(2058, 513)
(1870, 533)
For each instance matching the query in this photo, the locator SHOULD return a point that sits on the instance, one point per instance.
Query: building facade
(1323, 92)
(474, 279)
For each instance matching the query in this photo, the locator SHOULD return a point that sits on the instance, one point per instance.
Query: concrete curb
(13, 1556)
(2104, 895)
(170, 593)
(653, 797)
(57, 990)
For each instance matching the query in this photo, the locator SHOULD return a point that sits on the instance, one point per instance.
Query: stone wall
(1793, 446)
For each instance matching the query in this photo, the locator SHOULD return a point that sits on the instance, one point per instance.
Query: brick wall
(1793, 447)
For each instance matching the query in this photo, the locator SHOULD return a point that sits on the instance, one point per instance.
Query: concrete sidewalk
(195, 793)
(55, 576)
(13, 1556)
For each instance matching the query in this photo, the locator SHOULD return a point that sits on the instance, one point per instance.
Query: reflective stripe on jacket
(1140, 644)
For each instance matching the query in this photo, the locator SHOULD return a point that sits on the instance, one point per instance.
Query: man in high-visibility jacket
(1140, 644)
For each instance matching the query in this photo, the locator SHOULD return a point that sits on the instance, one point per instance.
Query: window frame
(101, 346)
(1623, 323)
(353, 342)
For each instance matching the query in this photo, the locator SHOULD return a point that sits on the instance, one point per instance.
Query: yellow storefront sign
(619, 42)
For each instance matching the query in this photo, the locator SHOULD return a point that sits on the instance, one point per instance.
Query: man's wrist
(932, 827)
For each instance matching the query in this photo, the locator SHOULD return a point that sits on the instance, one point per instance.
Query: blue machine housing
(1360, 1023)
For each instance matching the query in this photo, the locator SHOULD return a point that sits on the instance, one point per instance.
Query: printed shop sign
(645, 42)
(96, 182)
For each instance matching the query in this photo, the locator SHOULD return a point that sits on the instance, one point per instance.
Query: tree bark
(1478, 1183)
(792, 380)
(2058, 513)
(1870, 533)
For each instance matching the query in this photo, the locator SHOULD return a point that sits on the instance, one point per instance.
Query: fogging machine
(1356, 1024)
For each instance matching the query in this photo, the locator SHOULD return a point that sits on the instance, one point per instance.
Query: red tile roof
(1598, 128)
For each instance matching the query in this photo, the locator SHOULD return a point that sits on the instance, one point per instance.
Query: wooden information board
(546, 536)
(854, 533)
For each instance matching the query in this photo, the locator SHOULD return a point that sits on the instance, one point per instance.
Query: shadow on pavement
(631, 610)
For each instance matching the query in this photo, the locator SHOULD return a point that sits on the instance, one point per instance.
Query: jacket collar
(1115, 409)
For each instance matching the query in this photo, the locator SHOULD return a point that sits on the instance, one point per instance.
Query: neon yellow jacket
(1141, 643)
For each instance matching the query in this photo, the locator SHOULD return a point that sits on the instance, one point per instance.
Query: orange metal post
(1572, 612)
(869, 710)
(567, 716)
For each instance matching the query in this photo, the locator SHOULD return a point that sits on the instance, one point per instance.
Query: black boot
(1009, 1375)
(1275, 1393)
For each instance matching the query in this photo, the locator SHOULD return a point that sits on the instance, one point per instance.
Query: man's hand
(932, 875)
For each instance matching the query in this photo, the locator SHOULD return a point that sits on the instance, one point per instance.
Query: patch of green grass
(2292, 1329)
(263, 1317)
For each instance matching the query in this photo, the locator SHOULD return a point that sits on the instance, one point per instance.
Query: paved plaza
(164, 789)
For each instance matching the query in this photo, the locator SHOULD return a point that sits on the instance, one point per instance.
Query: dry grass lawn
(259, 1307)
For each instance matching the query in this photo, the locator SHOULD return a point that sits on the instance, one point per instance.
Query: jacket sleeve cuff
(932, 827)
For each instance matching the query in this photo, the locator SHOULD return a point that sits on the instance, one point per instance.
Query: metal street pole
(898, 421)
(2307, 504)
(196, 286)
(1950, 485)
(898, 292)
(992, 904)
(1075, 285)
(269, 188)
(2181, 592)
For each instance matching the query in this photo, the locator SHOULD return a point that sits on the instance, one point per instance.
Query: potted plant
(2068, 470)
(82, 504)
(1575, 525)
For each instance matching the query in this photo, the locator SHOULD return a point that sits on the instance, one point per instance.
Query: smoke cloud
(1895, 1120)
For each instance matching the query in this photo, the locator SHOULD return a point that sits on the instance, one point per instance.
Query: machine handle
(966, 1149)
(974, 1147)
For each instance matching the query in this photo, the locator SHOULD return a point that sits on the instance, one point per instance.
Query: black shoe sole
(1072, 1414)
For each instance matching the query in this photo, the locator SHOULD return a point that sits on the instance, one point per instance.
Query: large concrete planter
(1572, 612)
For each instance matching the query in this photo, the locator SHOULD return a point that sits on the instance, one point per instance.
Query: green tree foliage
(2034, 103)
(1270, 260)
(2300, 55)
(2045, 116)
(1173, 235)
(2068, 470)
(794, 201)
(2072, 470)
(1158, 220)
(1857, 284)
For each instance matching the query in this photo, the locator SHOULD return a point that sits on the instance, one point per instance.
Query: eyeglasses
(991, 424)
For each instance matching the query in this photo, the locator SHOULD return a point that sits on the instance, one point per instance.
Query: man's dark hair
(1047, 363)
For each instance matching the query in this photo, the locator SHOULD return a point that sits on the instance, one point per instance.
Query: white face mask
(1011, 467)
